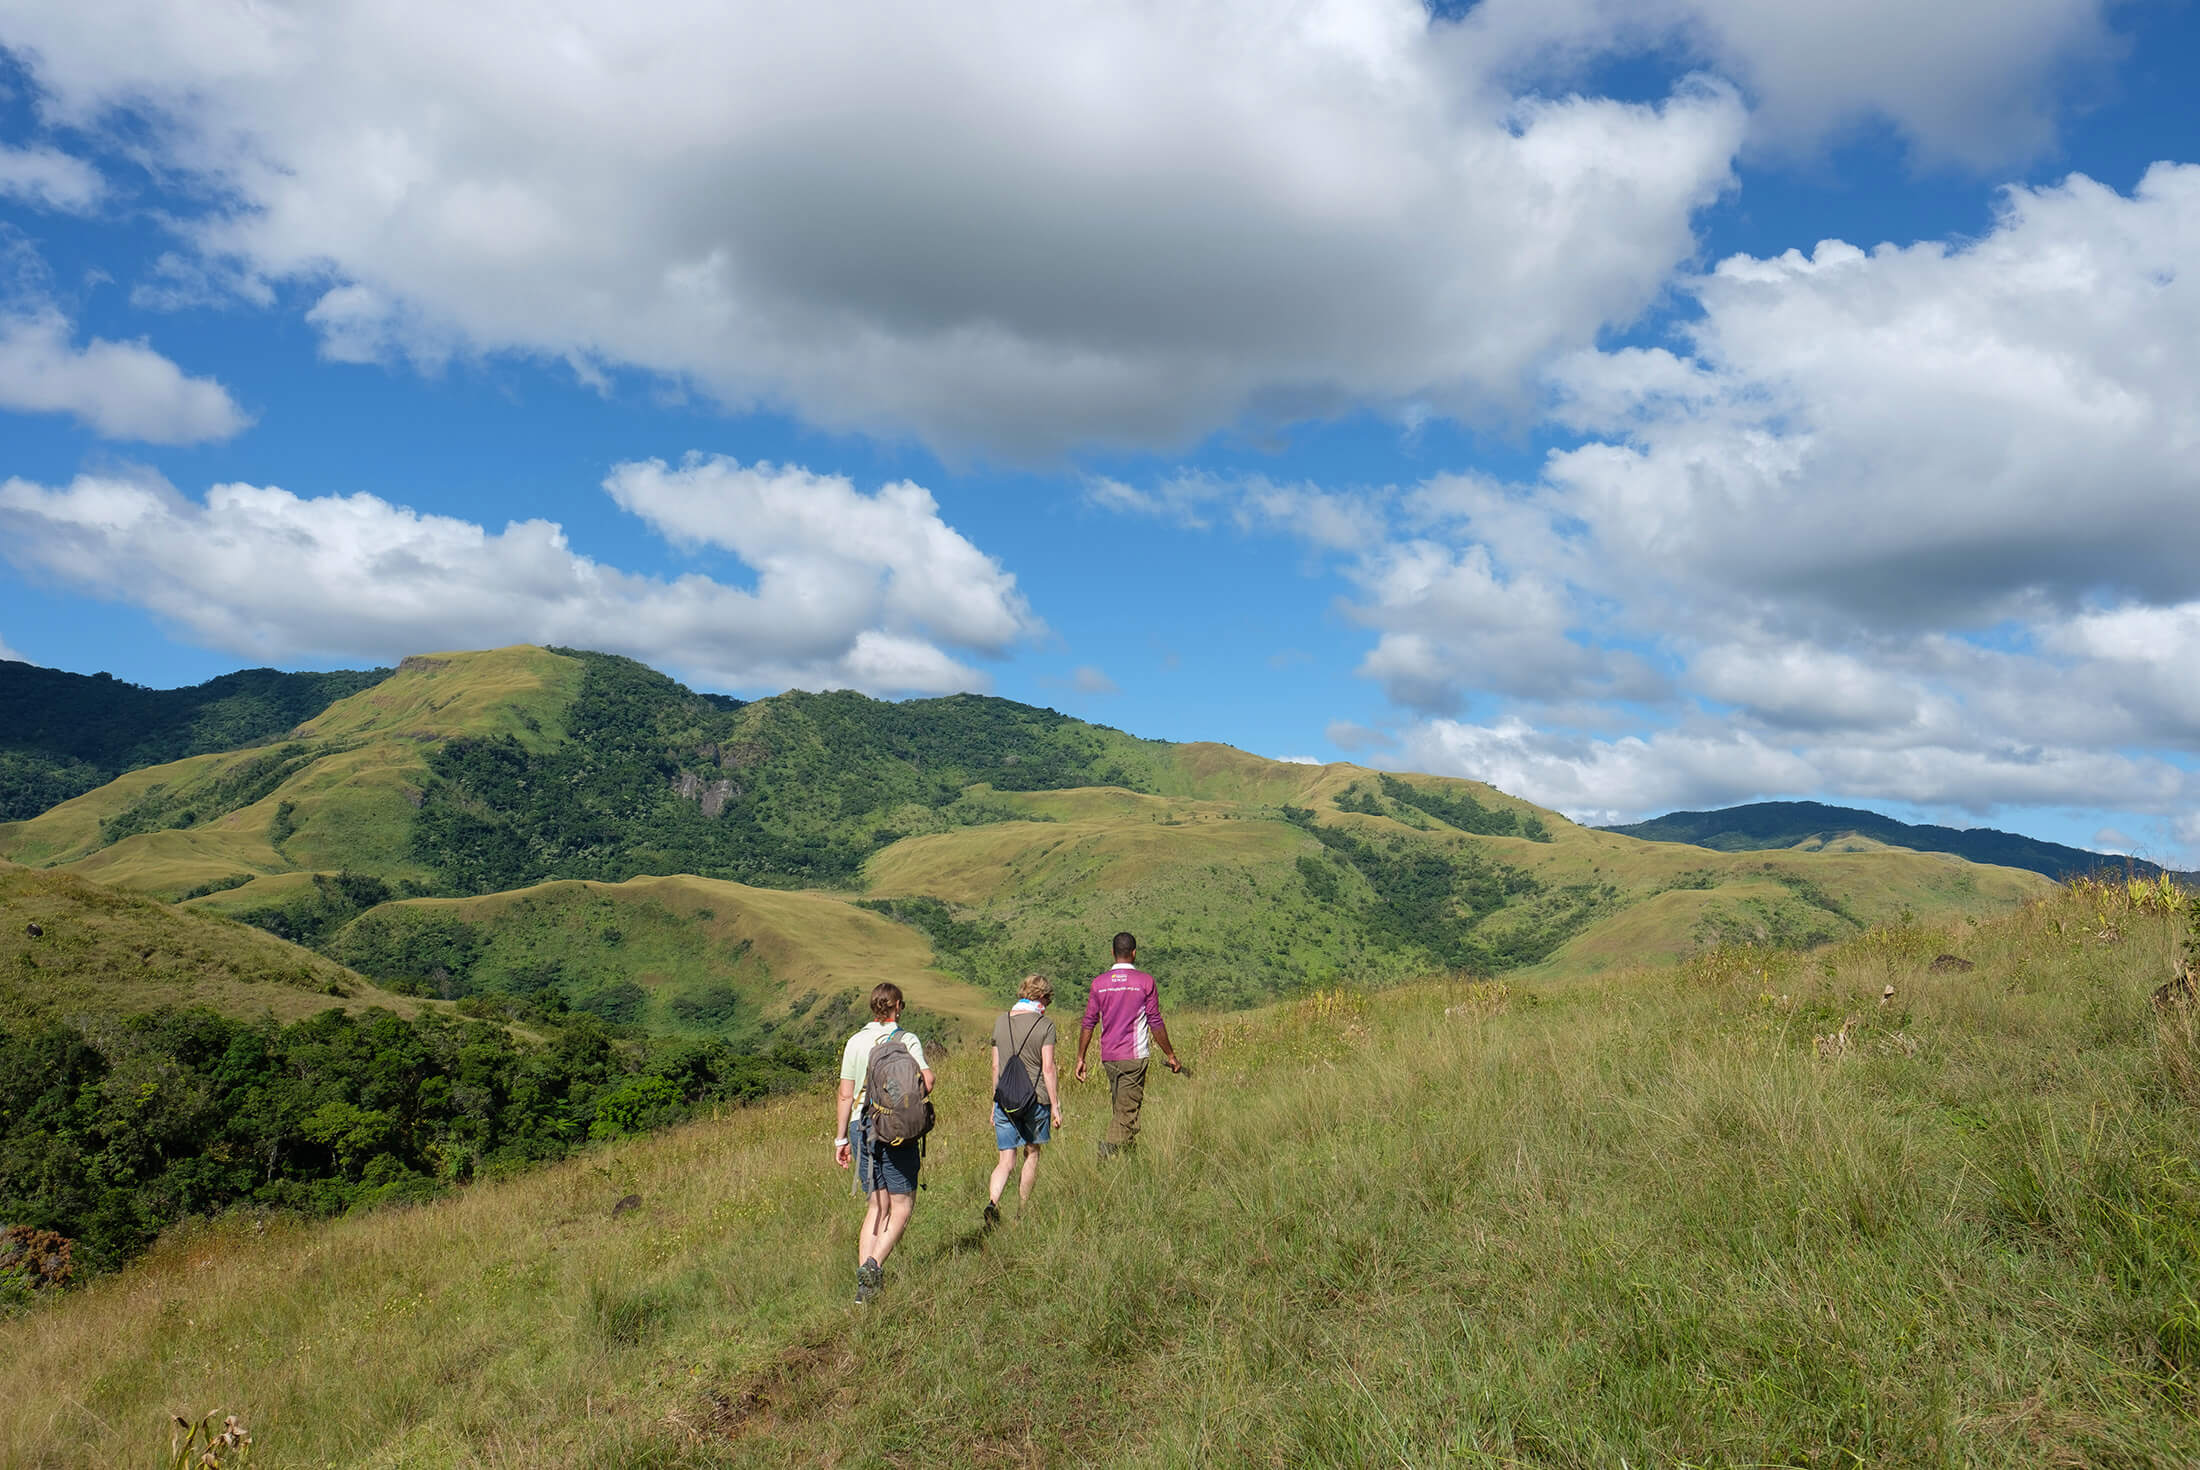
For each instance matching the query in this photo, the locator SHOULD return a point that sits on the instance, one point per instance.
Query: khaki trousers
(1127, 1090)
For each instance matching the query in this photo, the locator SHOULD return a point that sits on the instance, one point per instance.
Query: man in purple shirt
(1126, 1009)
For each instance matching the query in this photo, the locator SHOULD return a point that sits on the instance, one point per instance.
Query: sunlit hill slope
(1006, 838)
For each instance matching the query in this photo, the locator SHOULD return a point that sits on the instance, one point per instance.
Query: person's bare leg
(1031, 1172)
(1000, 1173)
(897, 1220)
(874, 1228)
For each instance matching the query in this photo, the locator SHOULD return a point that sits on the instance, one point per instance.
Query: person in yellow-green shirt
(885, 1172)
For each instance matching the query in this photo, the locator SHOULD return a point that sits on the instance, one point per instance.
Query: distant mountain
(65, 734)
(1768, 825)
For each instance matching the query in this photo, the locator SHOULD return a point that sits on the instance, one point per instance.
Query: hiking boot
(871, 1275)
(992, 1213)
(1107, 1149)
(864, 1291)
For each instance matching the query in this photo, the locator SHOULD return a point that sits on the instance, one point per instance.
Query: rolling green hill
(679, 955)
(1813, 826)
(65, 734)
(411, 827)
(99, 953)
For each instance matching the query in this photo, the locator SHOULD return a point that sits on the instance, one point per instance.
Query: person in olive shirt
(1024, 1031)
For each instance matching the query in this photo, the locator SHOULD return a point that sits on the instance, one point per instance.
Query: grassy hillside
(342, 791)
(1012, 838)
(65, 734)
(1660, 1215)
(675, 955)
(1236, 902)
(102, 953)
(1814, 826)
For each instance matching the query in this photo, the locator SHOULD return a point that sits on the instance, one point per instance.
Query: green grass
(1638, 1216)
(107, 953)
(680, 944)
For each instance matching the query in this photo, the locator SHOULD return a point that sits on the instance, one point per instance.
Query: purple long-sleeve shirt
(1124, 1007)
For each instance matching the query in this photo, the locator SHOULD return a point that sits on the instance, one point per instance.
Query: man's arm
(1084, 1039)
(1159, 1032)
(841, 1152)
(926, 1073)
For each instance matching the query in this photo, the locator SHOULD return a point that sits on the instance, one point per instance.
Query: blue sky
(1329, 379)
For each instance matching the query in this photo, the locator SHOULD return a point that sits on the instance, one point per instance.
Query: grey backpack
(894, 1104)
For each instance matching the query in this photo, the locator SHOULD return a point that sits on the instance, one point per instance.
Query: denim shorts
(887, 1166)
(1036, 1125)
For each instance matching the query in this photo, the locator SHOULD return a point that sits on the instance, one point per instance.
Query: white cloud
(1009, 228)
(1927, 435)
(120, 390)
(50, 179)
(264, 573)
(1088, 680)
(1799, 686)
(814, 537)
(1898, 524)
(1918, 498)
(1602, 781)
(1977, 81)
(9, 654)
(1328, 519)
(1450, 619)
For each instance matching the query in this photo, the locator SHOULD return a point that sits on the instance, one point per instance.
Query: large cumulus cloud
(871, 591)
(1902, 523)
(1008, 228)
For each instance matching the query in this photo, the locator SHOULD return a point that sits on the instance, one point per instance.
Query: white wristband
(839, 1142)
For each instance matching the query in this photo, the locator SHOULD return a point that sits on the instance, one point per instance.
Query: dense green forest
(1765, 825)
(68, 733)
(110, 1133)
(798, 789)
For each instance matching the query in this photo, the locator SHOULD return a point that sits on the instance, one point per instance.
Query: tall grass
(1638, 1218)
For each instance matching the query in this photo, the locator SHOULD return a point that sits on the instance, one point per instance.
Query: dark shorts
(891, 1167)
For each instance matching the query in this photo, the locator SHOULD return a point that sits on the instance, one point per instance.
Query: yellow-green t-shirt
(855, 1057)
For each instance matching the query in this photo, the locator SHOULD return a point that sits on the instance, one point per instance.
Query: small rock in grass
(2179, 991)
(631, 1202)
(1949, 964)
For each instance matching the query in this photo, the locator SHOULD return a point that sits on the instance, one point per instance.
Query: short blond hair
(1038, 988)
(885, 1001)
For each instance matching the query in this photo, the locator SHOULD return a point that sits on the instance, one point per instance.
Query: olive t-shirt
(1026, 1032)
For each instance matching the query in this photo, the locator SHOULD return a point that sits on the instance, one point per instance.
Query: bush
(332, 1113)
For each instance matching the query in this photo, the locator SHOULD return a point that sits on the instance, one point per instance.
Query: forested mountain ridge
(1009, 838)
(65, 734)
(1766, 825)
